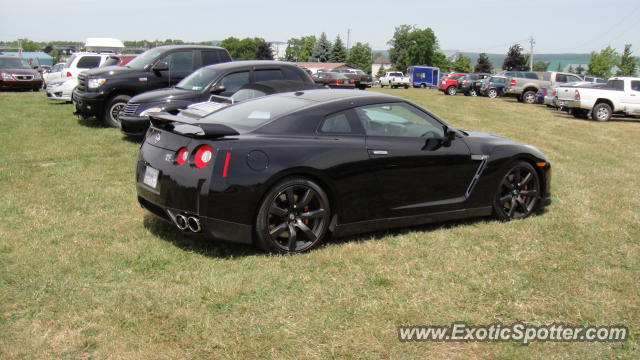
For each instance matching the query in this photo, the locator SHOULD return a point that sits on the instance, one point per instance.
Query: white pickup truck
(620, 95)
(394, 79)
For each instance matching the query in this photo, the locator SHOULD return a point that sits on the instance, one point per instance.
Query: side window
(180, 61)
(398, 119)
(500, 80)
(235, 81)
(546, 76)
(635, 85)
(209, 57)
(530, 75)
(292, 74)
(616, 84)
(268, 74)
(572, 78)
(336, 123)
(88, 62)
(561, 78)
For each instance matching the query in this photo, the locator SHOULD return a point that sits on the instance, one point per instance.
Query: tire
(519, 98)
(518, 192)
(36, 89)
(423, 86)
(295, 206)
(452, 90)
(473, 92)
(381, 86)
(406, 86)
(601, 112)
(492, 93)
(110, 116)
(529, 97)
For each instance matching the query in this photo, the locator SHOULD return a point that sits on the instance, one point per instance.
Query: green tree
(461, 64)
(514, 59)
(413, 46)
(628, 63)
(579, 70)
(540, 65)
(484, 64)
(244, 49)
(381, 71)
(559, 68)
(321, 49)
(440, 60)
(570, 69)
(360, 57)
(338, 52)
(28, 45)
(264, 51)
(602, 63)
(299, 49)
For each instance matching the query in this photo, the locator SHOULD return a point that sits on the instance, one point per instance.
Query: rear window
(268, 74)
(616, 84)
(455, 77)
(248, 116)
(635, 85)
(88, 62)
(530, 75)
(395, 74)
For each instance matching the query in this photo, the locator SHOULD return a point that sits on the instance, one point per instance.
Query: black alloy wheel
(518, 192)
(293, 217)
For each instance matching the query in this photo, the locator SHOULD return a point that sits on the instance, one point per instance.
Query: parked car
(104, 92)
(423, 76)
(493, 86)
(362, 79)
(53, 74)
(470, 84)
(61, 89)
(524, 85)
(15, 73)
(222, 79)
(550, 96)
(334, 80)
(82, 61)
(286, 170)
(620, 95)
(394, 79)
(595, 79)
(246, 92)
(449, 83)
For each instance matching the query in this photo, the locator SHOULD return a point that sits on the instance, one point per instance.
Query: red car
(334, 80)
(449, 83)
(15, 73)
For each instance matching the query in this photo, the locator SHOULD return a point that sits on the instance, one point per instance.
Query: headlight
(151, 110)
(7, 76)
(96, 83)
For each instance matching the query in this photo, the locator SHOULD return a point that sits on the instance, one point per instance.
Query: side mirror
(217, 89)
(160, 66)
(432, 144)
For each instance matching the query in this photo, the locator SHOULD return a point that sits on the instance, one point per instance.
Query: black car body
(16, 73)
(219, 79)
(470, 84)
(103, 92)
(493, 86)
(286, 169)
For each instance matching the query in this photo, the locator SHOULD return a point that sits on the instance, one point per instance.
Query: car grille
(130, 109)
(23, 77)
(82, 82)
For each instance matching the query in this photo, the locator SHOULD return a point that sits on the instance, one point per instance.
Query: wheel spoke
(292, 238)
(522, 205)
(306, 198)
(276, 231)
(512, 207)
(506, 183)
(307, 232)
(505, 198)
(529, 192)
(312, 214)
(277, 211)
(516, 176)
(526, 179)
(290, 198)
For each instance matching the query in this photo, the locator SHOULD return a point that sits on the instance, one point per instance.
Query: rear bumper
(134, 125)
(571, 104)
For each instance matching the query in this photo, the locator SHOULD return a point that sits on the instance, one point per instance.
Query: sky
(557, 26)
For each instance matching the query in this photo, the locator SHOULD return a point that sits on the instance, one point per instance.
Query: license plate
(151, 177)
(563, 103)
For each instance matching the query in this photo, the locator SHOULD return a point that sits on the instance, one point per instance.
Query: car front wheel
(114, 107)
(518, 192)
(493, 93)
(452, 90)
(293, 217)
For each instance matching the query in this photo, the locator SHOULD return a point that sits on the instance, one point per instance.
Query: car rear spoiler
(190, 127)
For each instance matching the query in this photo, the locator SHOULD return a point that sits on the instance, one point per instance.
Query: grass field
(85, 274)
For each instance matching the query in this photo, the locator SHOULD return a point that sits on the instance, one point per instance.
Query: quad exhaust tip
(194, 224)
(182, 222)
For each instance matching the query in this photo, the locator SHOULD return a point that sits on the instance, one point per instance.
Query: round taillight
(182, 156)
(203, 155)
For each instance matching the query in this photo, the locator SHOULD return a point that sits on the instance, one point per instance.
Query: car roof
(328, 95)
(170, 47)
(278, 86)
(247, 63)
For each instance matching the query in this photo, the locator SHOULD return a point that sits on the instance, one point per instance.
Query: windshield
(14, 63)
(246, 94)
(248, 116)
(197, 80)
(144, 59)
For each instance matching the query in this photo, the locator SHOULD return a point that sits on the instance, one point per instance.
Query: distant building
(279, 49)
(320, 66)
(380, 62)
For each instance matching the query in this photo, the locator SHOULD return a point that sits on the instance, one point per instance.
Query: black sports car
(285, 170)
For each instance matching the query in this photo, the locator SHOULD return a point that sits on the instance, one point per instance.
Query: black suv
(103, 92)
(470, 84)
(219, 79)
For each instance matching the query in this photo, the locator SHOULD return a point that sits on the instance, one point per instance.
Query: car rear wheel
(529, 97)
(518, 192)
(424, 86)
(601, 112)
(293, 217)
(473, 92)
(452, 90)
(114, 107)
(492, 93)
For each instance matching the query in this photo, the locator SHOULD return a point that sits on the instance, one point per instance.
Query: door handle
(378, 152)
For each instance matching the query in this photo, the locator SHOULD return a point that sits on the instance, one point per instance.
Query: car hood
(167, 94)
(20, 71)
(486, 143)
(112, 71)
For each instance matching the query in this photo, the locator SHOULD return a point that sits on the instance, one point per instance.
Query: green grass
(85, 273)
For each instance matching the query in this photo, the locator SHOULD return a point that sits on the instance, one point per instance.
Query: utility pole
(348, 39)
(531, 43)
